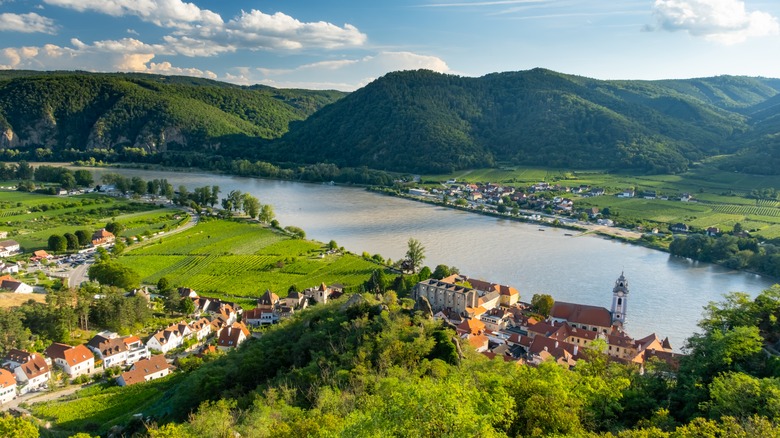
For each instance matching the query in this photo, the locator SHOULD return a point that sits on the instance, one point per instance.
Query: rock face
(8, 139)
(352, 301)
(423, 305)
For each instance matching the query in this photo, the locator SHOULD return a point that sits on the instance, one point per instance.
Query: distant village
(542, 197)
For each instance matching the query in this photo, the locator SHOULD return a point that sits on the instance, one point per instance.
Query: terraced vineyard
(227, 258)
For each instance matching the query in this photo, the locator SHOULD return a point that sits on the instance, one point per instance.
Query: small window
(620, 301)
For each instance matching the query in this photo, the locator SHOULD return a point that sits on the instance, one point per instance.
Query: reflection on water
(666, 293)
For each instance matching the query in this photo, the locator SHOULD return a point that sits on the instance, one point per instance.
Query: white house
(9, 247)
(7, 386)
(10, 284)
(169, 338)
(9, 268)
(31, 370)
(201, 328)
(145, 370)
(116, 351)
(232, 336)
(74, 361)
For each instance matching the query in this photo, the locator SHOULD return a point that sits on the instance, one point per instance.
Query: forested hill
(62, 115)
(413, 121)
(424, 121)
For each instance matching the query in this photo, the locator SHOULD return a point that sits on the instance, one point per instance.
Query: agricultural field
(97, 408)
(240, 259)
(31, 218)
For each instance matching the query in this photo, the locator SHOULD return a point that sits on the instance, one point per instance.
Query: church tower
(619, 300)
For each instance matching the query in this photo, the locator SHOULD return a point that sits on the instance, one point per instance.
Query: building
(102, 237)
(30, 369)
(9, 248)
(620, 300)
(581, 316)
(169, 338)
(9, 268)
(320, 294)
(145, 370)
(116, 351)
(7, 386)
(10, 284)
(74, 361)
(232, 336)
(464, 295)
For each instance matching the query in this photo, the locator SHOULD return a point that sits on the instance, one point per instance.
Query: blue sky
(344, 44)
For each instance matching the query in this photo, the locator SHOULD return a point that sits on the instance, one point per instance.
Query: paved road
(36, 397)
(79, 274)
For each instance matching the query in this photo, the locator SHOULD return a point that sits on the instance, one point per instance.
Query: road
(37, 397)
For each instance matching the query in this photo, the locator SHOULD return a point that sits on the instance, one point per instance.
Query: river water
(667, 293)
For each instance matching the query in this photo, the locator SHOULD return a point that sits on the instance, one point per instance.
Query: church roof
(581, 314)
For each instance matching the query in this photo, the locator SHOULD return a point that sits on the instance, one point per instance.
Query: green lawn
(232, 258)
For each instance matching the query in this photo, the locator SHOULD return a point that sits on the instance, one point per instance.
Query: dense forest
(413, 121)
(62, 115)
(377, 367)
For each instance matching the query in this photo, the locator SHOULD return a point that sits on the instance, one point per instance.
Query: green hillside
(412, 121)
(423, 121)
(65, 115)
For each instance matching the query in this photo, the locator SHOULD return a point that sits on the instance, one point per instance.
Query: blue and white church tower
(620, 301)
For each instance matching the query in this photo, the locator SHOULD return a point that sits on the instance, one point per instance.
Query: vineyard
(97, 408)
(226, 258)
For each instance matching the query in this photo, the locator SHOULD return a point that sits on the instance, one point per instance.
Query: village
(488, 317)
(543, 202)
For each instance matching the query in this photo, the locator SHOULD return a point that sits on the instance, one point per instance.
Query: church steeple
(619, 300)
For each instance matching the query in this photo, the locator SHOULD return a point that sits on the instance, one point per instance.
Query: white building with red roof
(74, 361)
(145, 370)
(31, 370)
(7, 386)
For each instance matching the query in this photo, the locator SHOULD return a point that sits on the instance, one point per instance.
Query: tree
(119, 248)
(17, 427)
(250, 205)
(163, 284)
(111, 273)
(332, 245)
(72, 241)
(266, 214)
(138, 186)
(296, 232)
(84, 236)
(115, 228)
(542, 304)
(234, 200)
(415, 254)
(214, 196)
(737, 228)
(442, 271)
(68, 181)
(186, 306)
(24, 171)
(58, 243)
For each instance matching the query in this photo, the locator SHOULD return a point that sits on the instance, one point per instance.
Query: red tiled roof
(581, 314)
(6, 378)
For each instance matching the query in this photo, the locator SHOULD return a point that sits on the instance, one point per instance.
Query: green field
(31, 217)
(231, 258)
(722, 197)
(97, 408)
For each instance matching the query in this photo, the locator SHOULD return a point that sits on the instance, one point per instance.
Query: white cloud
(127, 54)
(26, 23)
(341, 74)
(724, 21)
(167, 13)
(256, 29)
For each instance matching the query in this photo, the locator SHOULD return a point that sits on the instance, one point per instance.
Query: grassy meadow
(721, 197)
(236, 258)
(31, 217)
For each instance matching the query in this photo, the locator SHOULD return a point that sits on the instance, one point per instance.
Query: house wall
(7, 394)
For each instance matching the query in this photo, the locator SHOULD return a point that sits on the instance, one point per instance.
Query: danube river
(666, 293)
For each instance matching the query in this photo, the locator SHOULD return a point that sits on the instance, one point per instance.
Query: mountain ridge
(410, 121)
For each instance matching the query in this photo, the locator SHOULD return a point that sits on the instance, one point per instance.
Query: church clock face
(620, 294)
